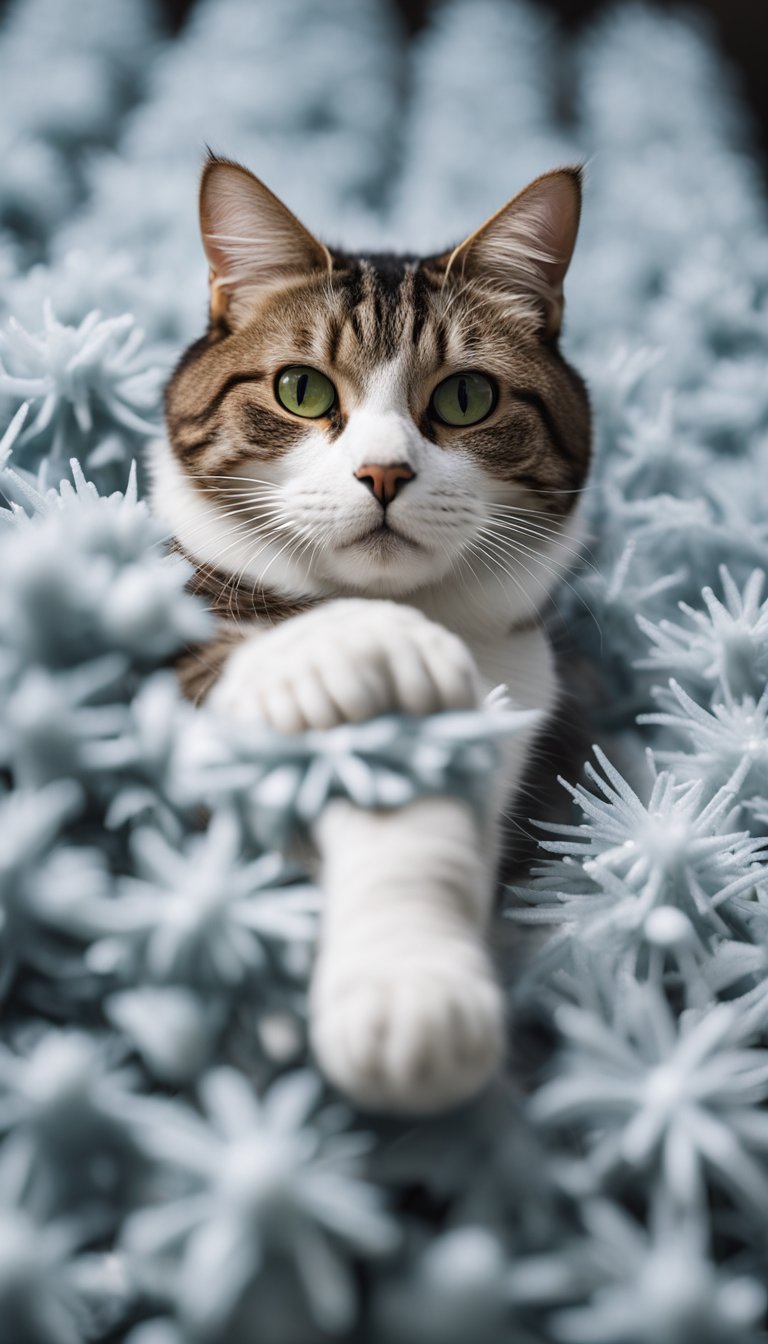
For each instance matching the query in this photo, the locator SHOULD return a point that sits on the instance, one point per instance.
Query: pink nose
(384, 482)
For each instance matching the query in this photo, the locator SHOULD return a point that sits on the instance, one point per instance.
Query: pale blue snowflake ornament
(81, 382)
(142, 768)
(174, 1030)
(88, 576)
(452, 1289)
(648, 1093)
(658, 1285)
(728, 744)
(287, 780)
(40, 1298)
(630, 858)
(169, 1170)
(723, 651)
(63, 1106)
(30, 823)
(201, 916)
(263, 1183)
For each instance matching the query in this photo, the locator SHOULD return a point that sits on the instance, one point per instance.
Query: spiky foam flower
(81, 381)
(197, 915)
(628, 859)
(723, 650)
(658, 1283)
(727, 744)
(85, 576)
(30, 822)
(63, 1105)
(384, 762)
(650, 1092)
(262, 1177)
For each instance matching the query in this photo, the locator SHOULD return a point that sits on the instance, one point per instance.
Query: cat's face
(376, 425)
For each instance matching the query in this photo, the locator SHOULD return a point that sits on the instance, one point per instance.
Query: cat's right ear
(250, 238)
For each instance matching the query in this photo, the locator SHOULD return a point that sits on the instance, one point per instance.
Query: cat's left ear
(524, 250)
(252, 241)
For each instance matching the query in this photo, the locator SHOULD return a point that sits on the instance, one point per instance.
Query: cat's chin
(383, 564)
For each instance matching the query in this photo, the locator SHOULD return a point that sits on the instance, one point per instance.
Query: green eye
(305, 391)
(464, 399)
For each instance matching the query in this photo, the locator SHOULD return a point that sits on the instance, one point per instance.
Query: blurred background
(741, 27)
(402, 125)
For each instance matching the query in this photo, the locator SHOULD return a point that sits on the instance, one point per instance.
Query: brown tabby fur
(222, 412)
(233, 603)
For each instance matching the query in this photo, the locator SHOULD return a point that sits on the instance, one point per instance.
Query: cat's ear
(526, 247)
(250, 238)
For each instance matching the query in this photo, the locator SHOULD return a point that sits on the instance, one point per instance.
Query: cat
(372, 462)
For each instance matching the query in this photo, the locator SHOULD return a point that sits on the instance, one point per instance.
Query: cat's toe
(433, 670)
(410, 1044)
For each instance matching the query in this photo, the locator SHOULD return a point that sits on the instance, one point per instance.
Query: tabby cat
(372, 462)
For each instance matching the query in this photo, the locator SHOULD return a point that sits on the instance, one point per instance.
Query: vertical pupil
(301, 387)
(463, 399)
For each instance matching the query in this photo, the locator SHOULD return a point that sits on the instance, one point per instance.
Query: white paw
(411, 1042)
(344, 662)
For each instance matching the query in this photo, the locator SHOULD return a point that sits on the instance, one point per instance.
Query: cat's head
(377, 425)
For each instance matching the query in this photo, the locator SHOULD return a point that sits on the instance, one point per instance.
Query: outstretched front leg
(406, 1014)
(405, 1011)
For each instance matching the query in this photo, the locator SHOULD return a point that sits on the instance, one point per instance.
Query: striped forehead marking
(385, 305)
(377, 304)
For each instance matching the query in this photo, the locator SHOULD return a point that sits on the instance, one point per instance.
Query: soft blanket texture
(172, 1171)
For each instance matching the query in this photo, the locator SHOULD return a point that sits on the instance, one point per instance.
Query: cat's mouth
(383, 539)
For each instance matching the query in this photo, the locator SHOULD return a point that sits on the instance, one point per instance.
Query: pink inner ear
(534, 235)
(558, 208)
(249, 236)
(526, 247)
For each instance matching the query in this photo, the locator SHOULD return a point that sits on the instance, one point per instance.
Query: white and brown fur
(333, 607)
